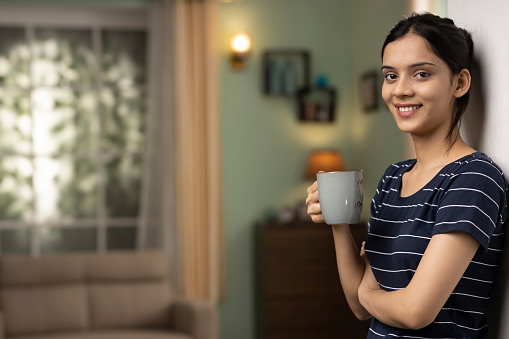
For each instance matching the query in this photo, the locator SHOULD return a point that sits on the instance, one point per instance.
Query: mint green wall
(376, 140)
(265, 147)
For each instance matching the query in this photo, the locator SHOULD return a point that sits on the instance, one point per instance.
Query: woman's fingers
(317, 218)
(315, 212)
(313, 188)
(363, 253)
(314, 209)
(312, 198)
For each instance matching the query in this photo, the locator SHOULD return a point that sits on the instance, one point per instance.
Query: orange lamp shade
(326, 161)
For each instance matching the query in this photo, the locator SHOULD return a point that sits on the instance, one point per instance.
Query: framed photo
(369, 91)
(285, 71)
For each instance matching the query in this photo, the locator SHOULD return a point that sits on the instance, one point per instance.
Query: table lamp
(326, 161)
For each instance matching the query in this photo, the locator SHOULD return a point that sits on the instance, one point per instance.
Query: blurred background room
(176, 139)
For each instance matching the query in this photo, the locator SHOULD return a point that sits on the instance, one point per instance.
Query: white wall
(487, 122)
(487, 21)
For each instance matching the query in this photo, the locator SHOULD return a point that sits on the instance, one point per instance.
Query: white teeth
(407, 109)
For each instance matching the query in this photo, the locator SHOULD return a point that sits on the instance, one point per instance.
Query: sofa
(114, 295)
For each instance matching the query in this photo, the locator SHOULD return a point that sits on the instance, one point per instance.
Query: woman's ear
(462, 83)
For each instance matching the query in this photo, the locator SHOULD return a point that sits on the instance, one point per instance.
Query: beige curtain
(198, 158)
(157, 227)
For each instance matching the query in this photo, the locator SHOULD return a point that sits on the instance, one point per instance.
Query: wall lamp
(240, 46)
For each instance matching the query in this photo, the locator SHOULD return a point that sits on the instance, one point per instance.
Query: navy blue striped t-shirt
(468, 195)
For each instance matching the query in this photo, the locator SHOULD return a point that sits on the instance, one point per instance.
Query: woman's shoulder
(477, 171)
(477, 163)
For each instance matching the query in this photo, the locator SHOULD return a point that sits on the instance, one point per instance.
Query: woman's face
(418, 87)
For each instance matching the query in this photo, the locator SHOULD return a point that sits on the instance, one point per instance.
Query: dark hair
(450, 43)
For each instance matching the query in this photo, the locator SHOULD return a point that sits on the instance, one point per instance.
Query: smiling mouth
(408, 108)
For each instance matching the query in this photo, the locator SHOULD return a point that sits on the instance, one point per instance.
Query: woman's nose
(403, 87)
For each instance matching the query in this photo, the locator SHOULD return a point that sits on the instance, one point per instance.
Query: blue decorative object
(321, 81)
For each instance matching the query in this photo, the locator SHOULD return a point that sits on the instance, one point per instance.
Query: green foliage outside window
(72, 124)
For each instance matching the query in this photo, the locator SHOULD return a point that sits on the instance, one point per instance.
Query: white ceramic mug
(340, 195)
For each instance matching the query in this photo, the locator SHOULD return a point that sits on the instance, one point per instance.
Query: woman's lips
(406, 111)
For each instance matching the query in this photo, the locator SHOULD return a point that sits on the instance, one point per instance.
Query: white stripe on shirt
(393, 253)
(469, 206)
(457, 309)
(461, 221)
(472, 189)
(403, 221)
(392, 271)
(471, 295)
(406, 206)
(451, 322)
(483, 263)
(478, 280)
(378, 334)
(484, 175)
(480, 160)
(391, 288)
(433, 189)
(399, 235)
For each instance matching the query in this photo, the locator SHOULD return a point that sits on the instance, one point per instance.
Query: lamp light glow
(240, 45)
(326, 161)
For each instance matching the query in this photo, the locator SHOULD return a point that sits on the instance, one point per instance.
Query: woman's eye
(390, 76)
(422, 75)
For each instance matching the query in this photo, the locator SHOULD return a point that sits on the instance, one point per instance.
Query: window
(73, 89)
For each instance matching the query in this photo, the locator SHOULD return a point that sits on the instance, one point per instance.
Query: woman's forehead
(409, 50)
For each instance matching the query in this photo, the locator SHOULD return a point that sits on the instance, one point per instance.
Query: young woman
(437, 222)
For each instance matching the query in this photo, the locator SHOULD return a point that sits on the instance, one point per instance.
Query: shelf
(316, 104)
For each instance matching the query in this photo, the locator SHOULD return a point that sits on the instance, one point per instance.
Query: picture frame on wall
(285, 71)
(369, 91)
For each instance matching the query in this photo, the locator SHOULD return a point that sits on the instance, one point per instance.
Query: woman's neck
(435, 153)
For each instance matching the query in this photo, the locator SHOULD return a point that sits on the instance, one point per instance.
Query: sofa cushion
(130, 304)
(128, 265)
(111, 334)
(45, 308)
(80, 267)
(48, 269)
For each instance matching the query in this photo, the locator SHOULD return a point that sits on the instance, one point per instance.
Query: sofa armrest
(197, 318)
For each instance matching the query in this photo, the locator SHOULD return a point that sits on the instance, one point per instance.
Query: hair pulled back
(450, 43)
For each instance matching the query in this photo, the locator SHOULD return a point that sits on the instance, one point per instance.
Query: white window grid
(96, 20)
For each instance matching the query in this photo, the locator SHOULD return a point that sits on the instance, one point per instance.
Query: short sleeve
(474, 202)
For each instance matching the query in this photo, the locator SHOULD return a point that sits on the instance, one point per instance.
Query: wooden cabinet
(299, 294)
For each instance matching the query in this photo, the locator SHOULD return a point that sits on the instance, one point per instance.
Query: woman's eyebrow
(417, 64)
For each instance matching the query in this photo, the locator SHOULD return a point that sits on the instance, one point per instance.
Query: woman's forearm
(350, 268)
(441, 268)
(392, 308)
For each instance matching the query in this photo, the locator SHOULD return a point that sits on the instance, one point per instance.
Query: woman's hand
(368, 283)
(314, 210)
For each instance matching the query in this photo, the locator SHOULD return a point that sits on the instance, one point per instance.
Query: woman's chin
(405, 128)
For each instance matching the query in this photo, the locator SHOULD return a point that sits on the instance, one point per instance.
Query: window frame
(95, 20)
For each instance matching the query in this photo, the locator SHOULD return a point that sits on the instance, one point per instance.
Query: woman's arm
(350, 268)
(350, 263)
(443, 264)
